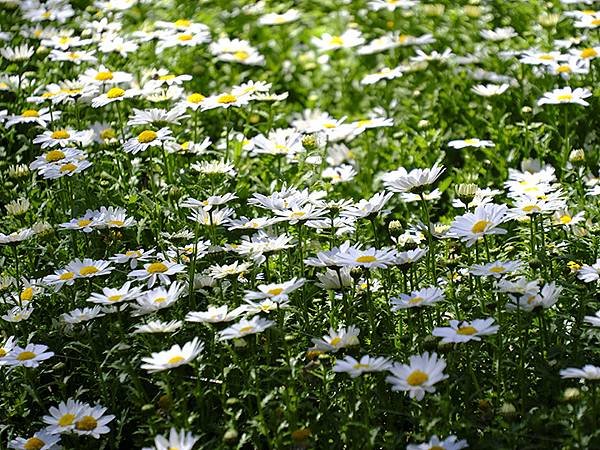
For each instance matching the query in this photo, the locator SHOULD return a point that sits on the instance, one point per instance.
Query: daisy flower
(348, 39)
(179, 440)
(489, 90)
(466, 331)
(157, 271)
(367, 363)
(110, 296)
(132, 257)
(565, 95)
(6, 347)
(371, 258)
(290, 15)
(92, 421)
(40, 117)
(337, 339)
(115, 94)
(245, 327)
(587, 372)
(414, 181)
(592, 320)
(495, 269)
(225, 100)
(174, 357)
(18, 314)
(419, 376)
(89, 268)
(473, 142)
(416, 299)
(275, 291)
(470, 227)
(30, 356)
(214, 314)
(62, 138)
(41, 440)
(104, 76)
(81, 315)
(156, 326)
(147, 139)
(62, 419)
(158, 298)
(589, 273)
(435, 443)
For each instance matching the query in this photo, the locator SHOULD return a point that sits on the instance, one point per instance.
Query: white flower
(495, 269)
(466, 331)
(156, 326)
(402, 181)
(337, 339)
(114, 94)
(565, 95)
(177, 440)
(367, 363)
(62, 419)
(225, 100)
(483, 221)
(473, 142)
(275, 291)
(416, 299)
(41, 440)
(157, 271)
(450, 443)
(158, 298)
(371, 258)
(587, 372)
(214, 314)
(82, 315)
(489, 90)
(498, 34)
(348, 39)
(419, 376)
(174, 357)
(589, 273)
(5, 348)
(146, 139)
(92, 421)
(592, 320)
(30, 356)
(245, 327)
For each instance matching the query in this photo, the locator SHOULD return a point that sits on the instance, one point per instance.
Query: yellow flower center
(531, 208)
(30, 113)
(564, 97)
(275, 291)
(33, 443)
(25, 356)
(182, 23)
(297, 214)
(115, 298)
(241, 55)
(176, 359)
(86, 423)
(437, 447)
(83, 223)
(195, 98)
(133, 253)
(54, 155)
(157, 267)
(226, 99)
(60, 134)
(366, 259)
(69, 167)
(335, 341)
(104, 75)
(546, 57)
(87, 270)
(596, 22)
(107, 133)
(116, 223)
(3, 352)
(471, 141)
(247, 329)
(361, 366)
(115, 92)
(146, 136)
(466, 330)
(565, 68)
(336, 40)
(26, 294)
(185, 37)
(565, 220)
(160, 300)
(415, 300)
(66, 276)
(497, 269)
(417, 378)
(480, 226)
(588, 53)
(66, 420)
(167, 77)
